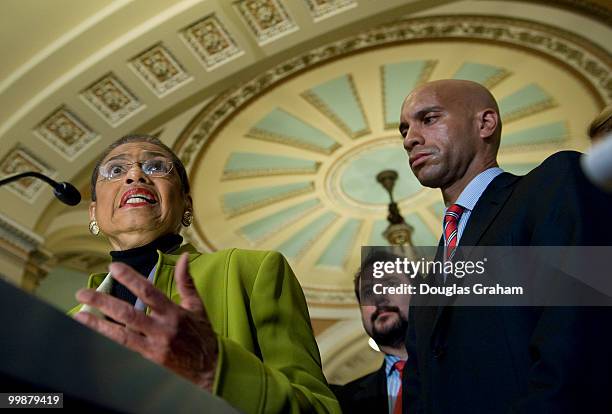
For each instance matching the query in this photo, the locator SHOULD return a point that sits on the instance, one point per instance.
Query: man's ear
(488, 120)
(92, 211)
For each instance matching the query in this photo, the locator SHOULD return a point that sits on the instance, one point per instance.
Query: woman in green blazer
(234, 322)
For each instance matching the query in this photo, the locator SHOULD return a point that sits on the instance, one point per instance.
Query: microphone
(67, 193)
(597, 164)
(64, 191)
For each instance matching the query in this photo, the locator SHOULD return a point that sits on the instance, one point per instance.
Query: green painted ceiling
(358, 180)
(296, 170)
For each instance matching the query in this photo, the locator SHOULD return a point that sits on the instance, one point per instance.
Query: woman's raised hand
(179, 337)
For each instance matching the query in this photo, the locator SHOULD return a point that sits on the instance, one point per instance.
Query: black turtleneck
(142, 259)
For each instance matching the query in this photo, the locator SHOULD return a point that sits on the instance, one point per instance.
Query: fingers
(114, 331)
(190, 300)
(140, 287)
(119, 310)
(180, 338)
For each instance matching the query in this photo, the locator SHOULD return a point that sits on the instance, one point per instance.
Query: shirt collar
(389, 361)
(472, 192)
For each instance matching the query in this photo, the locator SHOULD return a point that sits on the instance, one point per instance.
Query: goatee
(391, 335)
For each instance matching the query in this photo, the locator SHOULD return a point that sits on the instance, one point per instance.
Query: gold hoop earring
(93, 228)
(187, 218)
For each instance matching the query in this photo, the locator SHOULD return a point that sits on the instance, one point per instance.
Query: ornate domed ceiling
(294, 167)
(284, 111)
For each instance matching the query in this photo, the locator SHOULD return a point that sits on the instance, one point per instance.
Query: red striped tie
(399, 366)
(451, 221)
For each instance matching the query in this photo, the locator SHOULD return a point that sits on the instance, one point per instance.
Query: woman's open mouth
(137, 197)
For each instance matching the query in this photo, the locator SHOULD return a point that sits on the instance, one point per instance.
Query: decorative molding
(566, 49)
(248, 207)
(288, 129)
(309, 234)
(322, 9)
(530, 110)
(36, 269)
(18, 236)
(538, 136)
(268, 19)
(269, 136)
(497, 78)
(335, 171)
(159, 70)
(265, 166)
(527, 101)
(111, 99)
(313, 99)
(338, 248)
(65, 133)
(24, 247)
(424, 76)
(210, 41)
(587, 8)
(325, 297)
(486, 75)
(234, 175)
(20, 160)
(277, 221)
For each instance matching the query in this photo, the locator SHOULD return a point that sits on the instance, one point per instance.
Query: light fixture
(398, 232)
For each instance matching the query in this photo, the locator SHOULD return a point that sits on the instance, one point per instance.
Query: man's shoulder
(559, 162)
(363, 381)
(556, 170)
(364, 394)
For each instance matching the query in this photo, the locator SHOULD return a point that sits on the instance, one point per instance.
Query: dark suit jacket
(518, 359)
(367, 394)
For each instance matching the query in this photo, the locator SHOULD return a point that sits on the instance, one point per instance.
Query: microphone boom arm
(64, 191)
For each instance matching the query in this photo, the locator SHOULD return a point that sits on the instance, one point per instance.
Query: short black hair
(375, 255)
(176, 162)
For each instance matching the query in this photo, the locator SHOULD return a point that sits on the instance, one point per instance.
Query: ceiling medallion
(350, 180)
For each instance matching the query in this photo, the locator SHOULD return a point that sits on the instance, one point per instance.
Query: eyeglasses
(153, 167)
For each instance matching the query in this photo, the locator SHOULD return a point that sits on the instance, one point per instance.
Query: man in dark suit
(385, 319)
(546, 359)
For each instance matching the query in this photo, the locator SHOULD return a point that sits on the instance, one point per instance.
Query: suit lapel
(373, 391)
(486, 209)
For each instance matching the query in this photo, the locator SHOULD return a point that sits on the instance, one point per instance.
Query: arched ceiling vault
(335, 81)
(288, 160)
(283, 111)
(122, 66)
